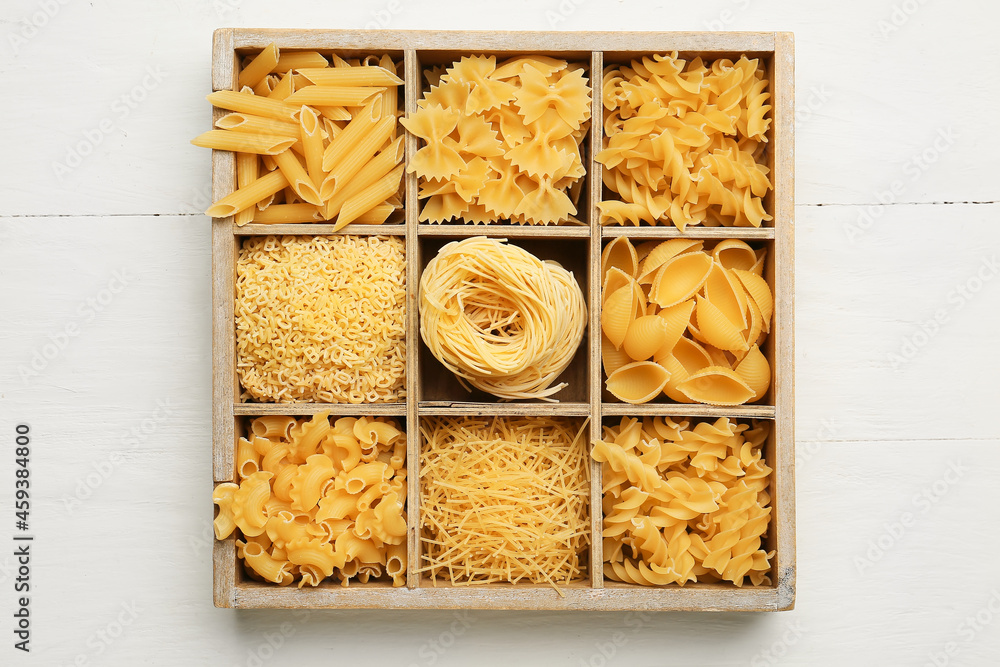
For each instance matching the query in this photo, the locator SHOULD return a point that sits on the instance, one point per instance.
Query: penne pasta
(254, 104)
(334, 113)
(362, 153)
(375, 215)
(260, 189)
(266, 85)
(331, 96)
(297, 177)
(390, 103)
(246, 173)
(376, 168)
(290, 60)
(312, 144)
(283, 88)
(244, 122)
(368, 198)
(243, 142)
(259, 67)
(286, 214)
(352, 134)
(352, 76)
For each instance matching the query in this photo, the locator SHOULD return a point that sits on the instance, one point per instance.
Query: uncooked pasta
(501, 319)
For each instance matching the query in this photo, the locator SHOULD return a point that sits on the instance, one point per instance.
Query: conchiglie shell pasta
(716, 385)
(638, 382)
(645, 336)
(677, 318)
(726, 293)
(717, 329)
(759, 291)
(663, 253)
(734, 254)
(619, 253)
(680, 278)
(756, 372)
(618, 311)
(686, 358)
(611, 358)
(614, 280)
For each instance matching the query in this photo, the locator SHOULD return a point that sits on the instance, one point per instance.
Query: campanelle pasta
(685, 502)
(303, 517)
(501, 141)
(685, 320)
(684, 142)
(307, 135)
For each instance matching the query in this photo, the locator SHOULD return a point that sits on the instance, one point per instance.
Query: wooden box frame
(233, 589)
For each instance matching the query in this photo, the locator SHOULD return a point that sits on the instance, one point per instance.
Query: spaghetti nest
(500, 318)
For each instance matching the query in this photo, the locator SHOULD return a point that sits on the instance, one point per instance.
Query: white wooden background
(104, 262)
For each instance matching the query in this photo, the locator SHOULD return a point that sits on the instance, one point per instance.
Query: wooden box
(577, 246)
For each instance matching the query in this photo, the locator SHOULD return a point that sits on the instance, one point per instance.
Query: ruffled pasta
(316, 511)
(501, 141)
(685, 502)
(684, 142)
(685, 320)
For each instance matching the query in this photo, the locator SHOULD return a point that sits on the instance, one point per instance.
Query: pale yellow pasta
(370, 75)
(688, 310)
(362, 153)
(299, 521)
(283, 214)
(684, 142)
(247, 458)
(296, 60)
(376, 169)
(343, 143)
(283, 88)
(297, 177)
(254, 104)
(502, 141)
(246, 197)
(259, 67)
(684, 502)
(329, 96)
(246, 173)
(248, 123)
(370, 197)
(312, 144)
(243, 142)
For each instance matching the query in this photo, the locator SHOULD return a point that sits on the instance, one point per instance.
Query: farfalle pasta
(501, 141)
(684, 142)
(685, 502)
(685, 320)
(324, 500)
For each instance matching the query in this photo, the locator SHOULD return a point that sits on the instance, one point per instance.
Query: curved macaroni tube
(273, 426)
(248, 503)
(366, 475)
(247, 458)
(225, 521)
(308, 481)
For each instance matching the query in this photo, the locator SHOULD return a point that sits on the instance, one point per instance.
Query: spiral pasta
(684, 142)
(303, 517)
(685, 320)
(685, 502)
(501, 141)
(499, 318)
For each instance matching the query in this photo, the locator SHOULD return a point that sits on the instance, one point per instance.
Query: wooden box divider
(230, 415)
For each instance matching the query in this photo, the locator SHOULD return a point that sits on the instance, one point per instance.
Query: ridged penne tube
(341, 145)
(243, 142)
(376, 168)
(344, 170)
(375, 215)
(248, 123)
(284, 214)
(370, 197)
(254, 104)
(262, 188)
(258, 68)
(266, 85)
(333, 96)
(297, 177)
(390, 102)
(283, 88)
(289, 60)
(246, 173)
(371, 75)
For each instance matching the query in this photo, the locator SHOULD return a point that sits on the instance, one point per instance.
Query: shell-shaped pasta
(680, 278)
(755, 333)
(760, 292)
(726, 293)
(677, 318)
(611, 358)
(686, 358)
(618, 311)
(619, 253)
(664, 252)
(717, 329)
(614, 280)
(638, 382)
(756, 372)
(645, 336)
(734, 254)
(716, 385)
